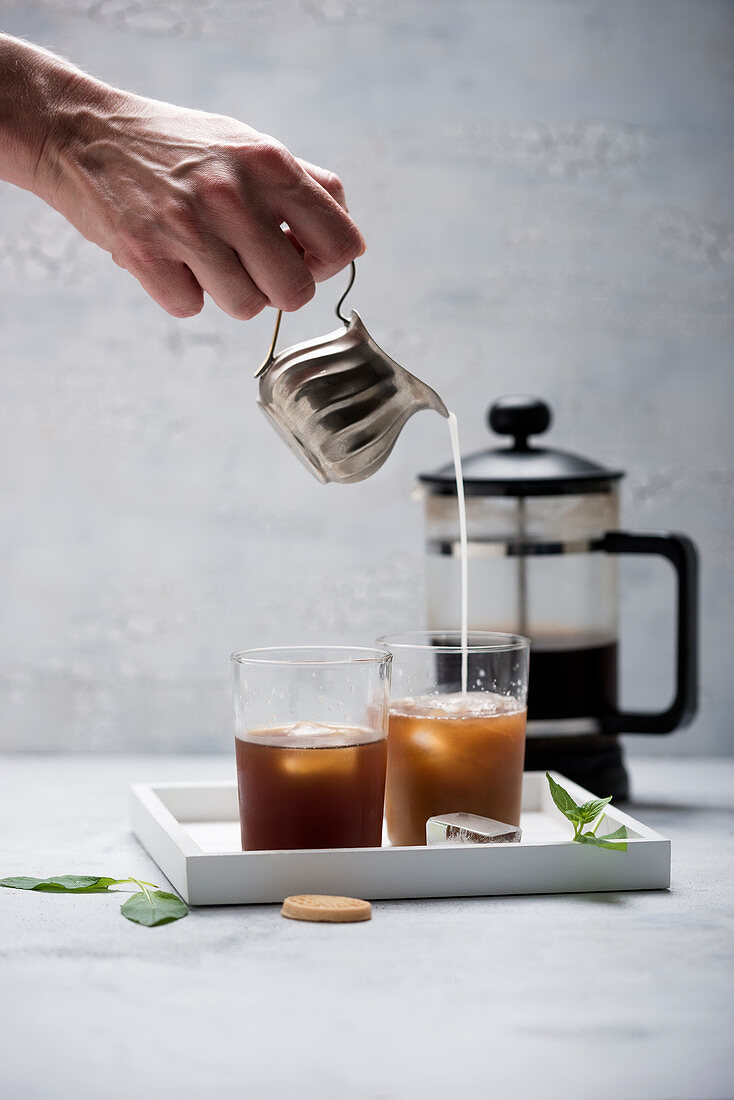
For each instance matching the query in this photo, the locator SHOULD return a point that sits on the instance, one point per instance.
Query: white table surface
(604, 996)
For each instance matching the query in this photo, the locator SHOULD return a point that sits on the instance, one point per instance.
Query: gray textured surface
(604, 995)
(546, 193)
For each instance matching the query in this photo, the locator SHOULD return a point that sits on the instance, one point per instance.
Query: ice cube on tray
(462, 828)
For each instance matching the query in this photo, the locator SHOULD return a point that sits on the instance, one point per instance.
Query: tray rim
(191, 869)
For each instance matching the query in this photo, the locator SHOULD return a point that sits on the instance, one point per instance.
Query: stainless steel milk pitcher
(339, 401)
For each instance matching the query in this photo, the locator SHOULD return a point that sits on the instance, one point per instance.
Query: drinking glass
(448, 750)
(310, 742)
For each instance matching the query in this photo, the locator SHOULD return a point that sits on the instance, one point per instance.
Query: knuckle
(292, 298)
(270, 158)
(122, 251)
(132, 250)
(248, 307)
(333, 184)
(212, 190)
(180, 216)
(350, 246)
(183, 309)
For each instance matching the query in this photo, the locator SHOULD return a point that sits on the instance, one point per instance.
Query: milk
(461, 501)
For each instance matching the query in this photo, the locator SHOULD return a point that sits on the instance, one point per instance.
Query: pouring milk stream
(461, 501)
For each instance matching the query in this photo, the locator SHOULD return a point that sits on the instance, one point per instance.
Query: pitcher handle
(337, 309)
(681, 553)
(271, 350)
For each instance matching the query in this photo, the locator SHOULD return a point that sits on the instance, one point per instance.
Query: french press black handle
(681, 552)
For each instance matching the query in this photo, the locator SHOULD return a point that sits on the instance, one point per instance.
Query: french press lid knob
(520, 416)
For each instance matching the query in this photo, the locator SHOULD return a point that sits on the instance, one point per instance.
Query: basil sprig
(149, 906)
(585, 814)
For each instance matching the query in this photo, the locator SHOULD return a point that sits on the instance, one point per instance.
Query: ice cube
(462, 828)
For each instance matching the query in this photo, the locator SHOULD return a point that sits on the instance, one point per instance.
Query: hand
(191, 202)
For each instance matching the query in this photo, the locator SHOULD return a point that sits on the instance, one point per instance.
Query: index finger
(327, 234)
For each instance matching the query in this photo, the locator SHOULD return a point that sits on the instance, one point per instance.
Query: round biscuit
(325, 907)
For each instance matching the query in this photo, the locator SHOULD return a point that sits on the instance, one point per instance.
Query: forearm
(32, 82)
(43, 101)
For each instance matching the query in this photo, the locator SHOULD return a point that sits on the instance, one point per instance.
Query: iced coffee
(311, 786)
(311, 746)
(456, 738)
(450, 753)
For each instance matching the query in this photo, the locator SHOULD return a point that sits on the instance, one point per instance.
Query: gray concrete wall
(546, 191)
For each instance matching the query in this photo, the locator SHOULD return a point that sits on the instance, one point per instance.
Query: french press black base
(594, 762)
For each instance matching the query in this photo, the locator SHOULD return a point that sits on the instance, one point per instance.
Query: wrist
(31, 80)
(47, 105)
(85, 112)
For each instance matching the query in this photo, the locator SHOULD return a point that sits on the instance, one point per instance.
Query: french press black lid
(523, 469)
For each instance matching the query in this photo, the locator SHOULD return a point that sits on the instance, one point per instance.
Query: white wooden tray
(192, 832)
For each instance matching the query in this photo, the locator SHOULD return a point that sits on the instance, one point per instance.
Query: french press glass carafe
(543, 544)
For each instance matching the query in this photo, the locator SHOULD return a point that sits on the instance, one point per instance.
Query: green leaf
(21, 882)
(154, 907)
(591, 810)
(77, 884)
(563, 800)
(618, 834)
(615, 841)
(61, 884)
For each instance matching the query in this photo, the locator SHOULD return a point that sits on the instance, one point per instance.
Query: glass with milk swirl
(453, 747)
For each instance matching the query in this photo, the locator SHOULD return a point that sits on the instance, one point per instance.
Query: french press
(544, 538)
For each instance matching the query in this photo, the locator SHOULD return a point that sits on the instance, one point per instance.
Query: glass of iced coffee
(310, 742)
(457, 728)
